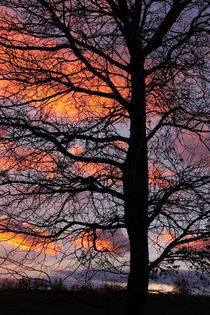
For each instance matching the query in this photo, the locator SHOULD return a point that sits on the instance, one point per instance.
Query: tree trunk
(136, 221)
(136, 201)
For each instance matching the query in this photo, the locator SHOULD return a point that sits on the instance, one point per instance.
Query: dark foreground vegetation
(16, 301)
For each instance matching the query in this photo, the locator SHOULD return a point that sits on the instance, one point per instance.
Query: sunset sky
(66, 119)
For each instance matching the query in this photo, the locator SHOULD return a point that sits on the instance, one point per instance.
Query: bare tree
(104, 127)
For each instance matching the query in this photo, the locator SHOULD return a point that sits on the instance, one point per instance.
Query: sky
(46, 256)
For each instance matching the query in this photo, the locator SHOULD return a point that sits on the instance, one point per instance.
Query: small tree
(57, 284)
(103, 115)
(181, 287)
(24, 283)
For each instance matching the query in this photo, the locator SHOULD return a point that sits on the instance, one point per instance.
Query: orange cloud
(160, 176)
(168, 236)
(47, 79)
(28, 159)
(198, 245)
(115, 242)
(24, 236)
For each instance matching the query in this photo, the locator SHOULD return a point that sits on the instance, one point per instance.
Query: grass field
(31, 302)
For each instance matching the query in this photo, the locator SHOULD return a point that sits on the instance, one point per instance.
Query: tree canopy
(103, 140)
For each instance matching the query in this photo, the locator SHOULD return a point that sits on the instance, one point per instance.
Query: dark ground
(37, 302)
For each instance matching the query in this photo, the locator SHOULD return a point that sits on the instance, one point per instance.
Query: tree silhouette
(103, 128)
